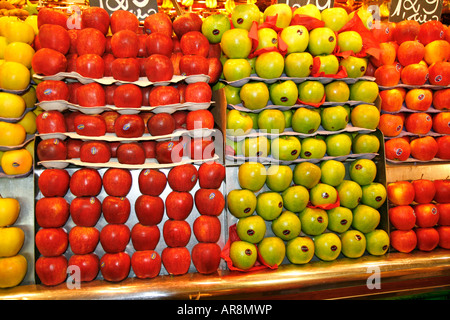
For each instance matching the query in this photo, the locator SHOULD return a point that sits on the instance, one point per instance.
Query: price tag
(418, 10)
(320, 4)
(140, 8)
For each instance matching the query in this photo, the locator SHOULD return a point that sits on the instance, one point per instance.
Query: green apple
(311, 91)
(271, 121)
(252, 176)
(365, 116)
(355, 67)
(283, 93)
(256, 147)
(298, 64)
(287, 226)
(214, 26)
(337, 91)
(269, 205)
(272, 251)
(236, 69)
(350, 41)
(295, 198)
(267, 38)
(327, 246)
(339, 219)
(251, 229)
(329, 64)
(296, 38)
(309, 10)
(285, 148)
(241, 203)
(283, 11)
(350, 194)
(236, 44)
(305, 120)
(364, 90)
(269, 65)
(254, 95)
(322, 194)
(322, 41)
(377, 242)
(314, 221)
(238, 123)
(300, 250)
(333, 172)
(243, 15)
(373, 195)
(365, 143)
(232, 94)
(313, 148)
(363, 171)
(243, 254)
(252, 64)
(353, 243)
(288, 118)
(334, 118)
(231, 147)
(279, 177)
(307, 174)
(365, 218)
(334, 18)
(339, 144)
(254, 117)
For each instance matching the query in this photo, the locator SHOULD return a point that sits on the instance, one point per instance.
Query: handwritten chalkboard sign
(418, 10)
(140, 8)
(321, 4)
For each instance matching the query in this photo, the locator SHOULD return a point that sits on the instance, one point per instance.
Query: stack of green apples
(297, 213)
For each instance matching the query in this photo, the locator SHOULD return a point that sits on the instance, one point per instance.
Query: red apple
(443, 147)
(124, 44)
(418, 123)
(49, 90)
(193, 64)
(215, 51)
(152, 182)
(91, 95)
(91, 40)
(115, 267)
(129, 126)
(54, 37)
(85, 211)
(159, 43)
(158, 22)
(50, 16)
(169, 152)
(439, 74)
(158, 68)
(207, 228)
(116, 209)
(48, 62)
(384, 32)
(431, 31)
(51, 270)
(113, 145)
(73, 87)
(180, 119)
(71, 62)
(88, 264)
(149, 148)
(161, 124)
(209, 201)
(199, 119)
(175, 59)
(206, 257)
(85, 182)
(427, 238)
(163, 95)
(444, 214)
(401, 193)
(114, 237)
(90, 125)
(199, 149)
(69, 117)
(51, 149)
(52, 212)
(95, 17)
(131, 153)
(90, 66)
(387, 75)
(406, 30)
(145, 95)
(95, 152)
(142, 48)
(83, 240)
(414, 74)
(108, 44)
(185, 23)
(110, 118)
(211, 174)
(50, 122)
(117, 182)
(410, 52)
(176, 261)
(427, 215)
(424, 149)
(145, 237)
(127, 95)
(402, 217)
(183, 177)
(403, 241)
(125, 69)
(194, 42)
(176, 233)
(215, 70)
(444, 236)
(397, 149)
(179, 205)
(146, 115)
(441, 123)
(74, 148)
(54, 182)
(442, 191)
(123, 20)
(108, 59)
(424, 190)
(388, 54)
(146, 264)
(149, 210)
(51, 242)
(73, 34)
(198, 92)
